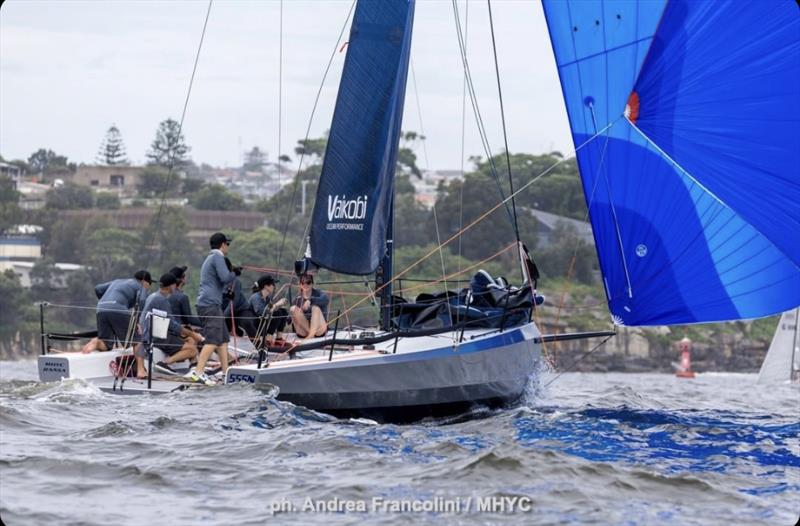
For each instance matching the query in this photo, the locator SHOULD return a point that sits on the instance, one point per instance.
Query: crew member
(262, 303)
(116, 299)
(309, 310)
(180, 343)
(214, 275)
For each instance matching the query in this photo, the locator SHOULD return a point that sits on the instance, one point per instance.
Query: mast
(383, 274)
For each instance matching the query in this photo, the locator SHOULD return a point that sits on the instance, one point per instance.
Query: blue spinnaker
(354, 197)
(691, 172)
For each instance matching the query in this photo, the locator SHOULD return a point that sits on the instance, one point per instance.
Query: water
(621, 449)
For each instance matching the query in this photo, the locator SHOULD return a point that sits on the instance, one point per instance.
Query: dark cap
(263, 281)
(217, 239)
(167, 279)
(178, 272)
(143, 275)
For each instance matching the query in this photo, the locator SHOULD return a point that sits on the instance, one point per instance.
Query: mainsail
(691, 172)
(783, 357)
(355, 193)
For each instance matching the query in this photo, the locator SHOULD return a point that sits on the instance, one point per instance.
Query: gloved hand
(237, 271)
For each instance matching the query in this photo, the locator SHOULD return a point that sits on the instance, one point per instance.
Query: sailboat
(684, 118)
(782, 362)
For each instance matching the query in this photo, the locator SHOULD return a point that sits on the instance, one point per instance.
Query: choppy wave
(584, 449)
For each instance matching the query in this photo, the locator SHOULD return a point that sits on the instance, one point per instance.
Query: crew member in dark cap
(181, 342)
(179, 301)
(263, 302)
(115, 321)
(214, 275)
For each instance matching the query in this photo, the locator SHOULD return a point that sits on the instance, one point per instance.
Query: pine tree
(112, 149)
(169, 146)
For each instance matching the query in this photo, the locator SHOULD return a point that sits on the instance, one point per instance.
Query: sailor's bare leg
(141, 372)
(187, 352)
(205, 353)
(95, 344)
(318, 325)
(223, 356)
(299, 321)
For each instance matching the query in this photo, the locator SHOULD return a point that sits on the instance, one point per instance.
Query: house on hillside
(116, 177)
(548, 222)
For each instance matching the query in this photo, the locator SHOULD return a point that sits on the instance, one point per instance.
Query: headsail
(782, 358)
(354, 197)
(692, 173)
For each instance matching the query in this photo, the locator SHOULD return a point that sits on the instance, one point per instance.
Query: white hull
(426, 375)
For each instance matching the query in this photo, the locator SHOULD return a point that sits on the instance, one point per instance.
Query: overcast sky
(69, 69)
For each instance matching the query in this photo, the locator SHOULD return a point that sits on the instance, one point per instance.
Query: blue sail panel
(354, 196)
(685, 227)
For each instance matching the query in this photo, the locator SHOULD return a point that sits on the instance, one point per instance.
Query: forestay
(354, 197)
(693, 174)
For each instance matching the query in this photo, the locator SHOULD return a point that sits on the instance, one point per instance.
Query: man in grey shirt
(214, 275)
(116, 299)
(173, 346)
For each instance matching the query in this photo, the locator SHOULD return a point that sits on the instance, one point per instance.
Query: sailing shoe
(165, 368)
(200, 378)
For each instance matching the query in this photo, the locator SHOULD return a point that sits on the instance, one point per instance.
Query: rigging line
(427, 167)
(280, 90)
(503, 119)
(620, 245)
(419, 115)
(157, 224)
(463, 134)
(581, 357)
(476, 111)
(444, 270)
(305, 142)
(491, 210)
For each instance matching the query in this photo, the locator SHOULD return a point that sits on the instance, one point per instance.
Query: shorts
(215, 330)
(171, 345)
(112, 326)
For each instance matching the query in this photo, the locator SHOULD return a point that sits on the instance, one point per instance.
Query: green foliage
(166, 242)
(555, 260)
(48, 162)
(411, 221)
(217, 197)
(16, 309)
(406, 158)
(559, 191)
(313, 149)
(257, 248)
(112, 253)
(10, 212)
(169, 146)
(492, 233)
(153, 181)
(107, 201)
(112, 149)
(190, 185)
(70, 196)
